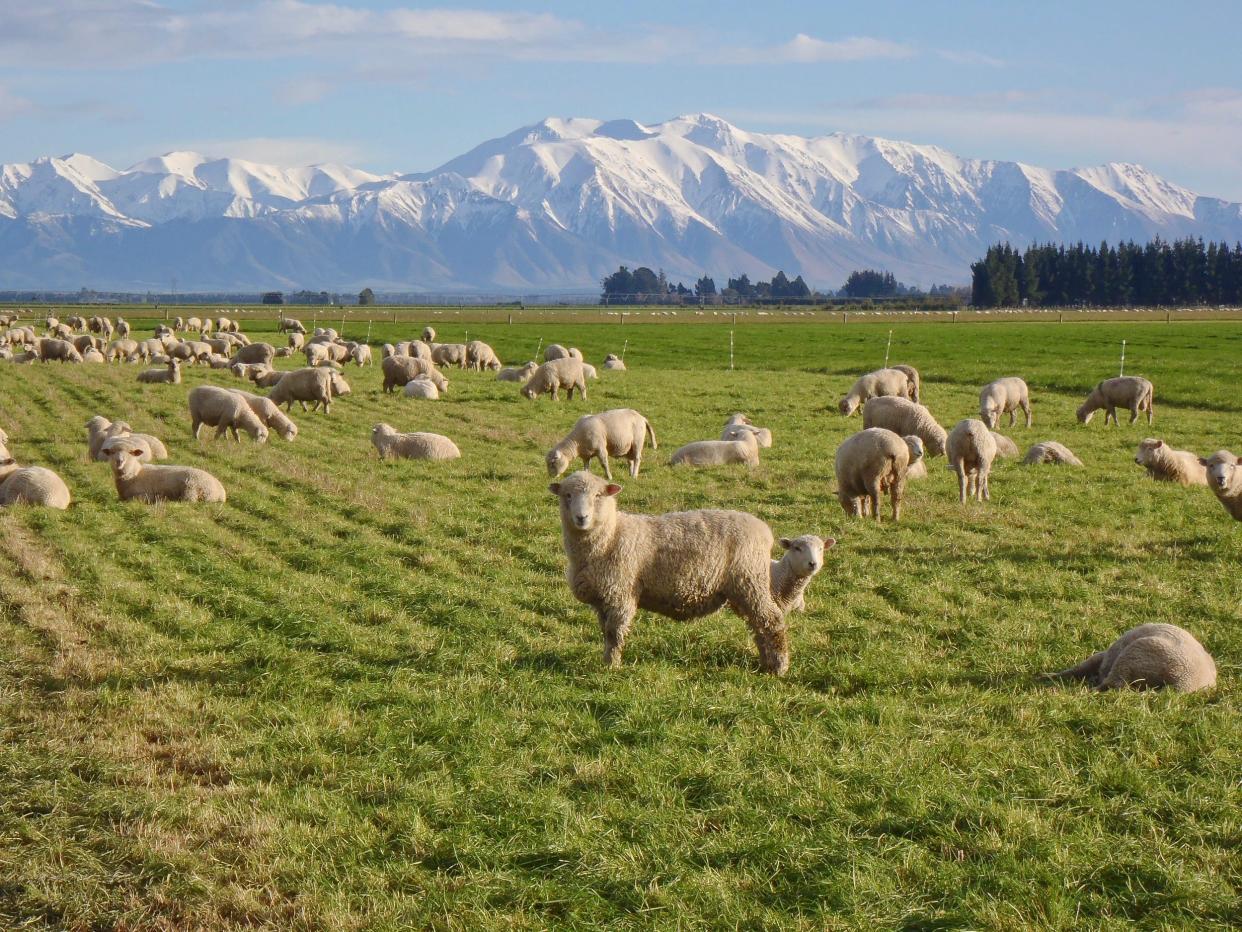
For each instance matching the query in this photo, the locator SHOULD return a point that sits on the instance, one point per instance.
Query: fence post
(730, 350)
(1123, 359)
(888, 348)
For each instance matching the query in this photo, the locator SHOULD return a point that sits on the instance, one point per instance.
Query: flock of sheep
(682, 565)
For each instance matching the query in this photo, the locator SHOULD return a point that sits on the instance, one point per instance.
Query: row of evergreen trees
(643, 283)
(1185, 272)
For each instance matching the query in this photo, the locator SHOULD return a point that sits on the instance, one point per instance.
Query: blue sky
(400, 86)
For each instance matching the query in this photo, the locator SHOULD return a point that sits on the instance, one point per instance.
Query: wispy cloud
(275, 150)
(11, 104)
(804, 49)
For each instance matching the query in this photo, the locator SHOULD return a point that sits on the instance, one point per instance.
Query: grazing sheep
(619, 432)
(1163, 462)
(1004, 396)
(789, 576)
(318, 354)
(1128, 391)
(135, 480)
(555, 351)
(191, 351)
(284, 352)
(1224, 473)
(122, 350)
(738, 424)
(707, 453)
(480, 356)
(612, 361)
(269, 414)
(122, 327)
(256, 354)
(868, 464)
(86, 341)
(419, 349)
(429, 335)
(449, 354)
(681, 565)
(915, 382)
(297, 341)
(399, 370)
(903, 416)
(1051, 452)
(918, 460)
(1148, 657)
(971, 450)
(517, 373)
(31, 485)
(312, 384)
(290, 324)
(170, 375)
(53, 350)
(224, 410)
(553, 376)
(422, 387)
(874, 385)
(413, 446)
(1005, 448)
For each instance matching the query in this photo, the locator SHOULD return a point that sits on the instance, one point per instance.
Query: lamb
(422, 387)
(360, 353)
(480, 356)
(1128, 391)
(555, 375)
(256, 354)
(429, 335)
(868, 464)
(707, 453)
(297, 341)
(971, 450)
(1225, 480)
(681, 565)
(170, 375)
(313, 384)
(122, 327)
(31, 485)
(224, 410)
(1049, 451)
(52, 350)
(902, 416)
(99, 430)
(449, 354)
(1150, 656)
(612, 361)
(414, 446)
(1004, 396)
(914, 379)
(789, 576)
(517, 373)
(1005, 447)
(873, 385)
(918, 461)
(619, 432)
(738, 424)
(135, 480)
(1163, 462)
(555, 351)
(398, 370)
(269, 414)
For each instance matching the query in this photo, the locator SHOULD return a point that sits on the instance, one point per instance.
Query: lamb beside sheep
(99, 430)
(1168, 465)
(1148, 657)
(1224, 474)
(1128, 391)
(31, 485)
(415, 446)
(738, 424)
(904, 417)
(224, 410)
(874, 385)
(1051, 452)
(269, 413)
(422, 387)
(517, 373)
(619, 432)
(553, 376)
(708, 453)
(170, 375)
(135, 480)
(682, 565)
(1004, 396)
(868, 464)
(790, 575)
(971, 451)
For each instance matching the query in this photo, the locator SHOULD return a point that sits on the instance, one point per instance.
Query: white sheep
(905, 417)
(99, 430)
(873, 385)
(136, 480)
(619, 432)
(170, 375)
(415, 446)
(360, 353)
(914, 388)
(53, 350)
(429, 334)
(553, 376)
(31, 485)
(971, 451)
(314, 384)
(399, 370)
(224, 410)
(269, 413)
(480, 356)
(868, 464)
(613, 361)
(1005, 448)
(449, 354)
(790, 575)
(738, 424)
(421, 387)
(517, 373)
(1224, 473)
(1050, 452)
(1150, 656)
(682, 565)
(707, 453)
(1163, 462)
(1004, 396)
(555, 351)
(1128, 391)
(918, 459)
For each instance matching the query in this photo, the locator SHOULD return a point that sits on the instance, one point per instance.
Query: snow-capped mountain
(557, 205)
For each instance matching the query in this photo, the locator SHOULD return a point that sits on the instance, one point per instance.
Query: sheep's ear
(786, 542)
(555, 488)
(1202, 461)
(135, 452)
(612, 488)
(7, 462)
(829, 543)
(1157, 445)
(1239, 463)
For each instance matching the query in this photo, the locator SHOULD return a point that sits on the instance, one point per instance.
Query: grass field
(360, 695)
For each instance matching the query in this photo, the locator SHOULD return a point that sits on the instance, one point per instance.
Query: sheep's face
(848, 406)
(1222, 468)
(339, 385)
(1147, 451)
(528, 391)
(1085, 412)
(805, 555)
(916, 448)
(557, 462)
(586, 501)
(125, 456)
(288, 430)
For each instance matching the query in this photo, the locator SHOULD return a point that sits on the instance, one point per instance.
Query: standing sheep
(707, 453)
(31, 485)
(449, 354)
(134, 480)
(256, 354)
(1224, 473)
(429, 334)
(51, 350)
(555, 351)
(868, 464)
(681, 565)
(398, 370)
(1004, 396)
(915, 382)
(971, 450)
(415, 446)
(224, 410)
(171, 375)
(619, 432)
(360, 353)
(480, 356)
(302, 385)
(1128, 391)
(790, 575)
(1148, 657)
(1052, 453)
(903, 416)
(873, 385)
(555, 375)
(269, 413)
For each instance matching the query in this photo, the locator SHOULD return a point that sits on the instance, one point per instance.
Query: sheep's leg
(1134, 412)
(582, 389)
(985, 488)
(767, 627)
(614, 624)
(556, 393)
(1026, 409)
(602, 456)
(195, 427)
(636, 459)
(1013, 416)
(962, 483)
(1111, 413)
(222, 431)
(873, 496)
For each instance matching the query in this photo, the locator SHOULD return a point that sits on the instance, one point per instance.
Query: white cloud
(12, 105)
(804, 49)
(275, 150)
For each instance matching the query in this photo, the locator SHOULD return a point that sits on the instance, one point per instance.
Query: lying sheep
(31, 485)
(480, 356)
(1164, 463)
(555, 351)
(517, 373)
(918, 459)
(612, 361)
(738, 424)
(1148, 657)
(1005, 448)
(1128, 391)
(971, 450)
(422, 387)
(99, 430)
(92, 355)
(789, 576)
(707, 453)
(1051, 452)
(413, 446)
(588, 370)
(135, 480)
(53, 350)
(874, 385)
(224, 410)
(1004, 396)
(903, 416)
(269, 414)
(315, 384)
(619, 432)
(914, 388)
(170, 375)
(553, 376)
(868, 464)
(265, 378)
(1225, 480)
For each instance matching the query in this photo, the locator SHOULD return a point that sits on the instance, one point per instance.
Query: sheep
(1005, 447)
(868, 464)
(414, 446)
(681, 565)
(419, 349)
(872, 385)
(738, 424)
(480, 356)
(297, 341)
(588, 370)
(1128, 391)
(265, 378)
(290, 324)
(706, 453)
(517, 373)
(122, 327)
(284, 352)
(398, 370)
(619, 432)
(915, 382)
(99, 430)
(135, 480)
(1150, 656)
(317, 354)
(1225, 480)
(224, 410)
(360, 353)
(902, 416)
(555, 351)
(93, 355)
(555, 375)
(612, 361)
(191, 351)
(178, 323)
(302, 385)
(146, 348)
(1049, 451)
(575, 353)
(269, 414)
(171, 375)
(429, 335)
(918, 460)
(31, 485)
(449, 354)
(971, 450)
(256, 353)
(421, 387)
(1004, 396)
(789, 576)
(53, 350)
(1163, 462)
(86, 341)
(121, 350)
(193, 323)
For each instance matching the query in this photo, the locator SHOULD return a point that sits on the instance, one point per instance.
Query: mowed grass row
(359, 694)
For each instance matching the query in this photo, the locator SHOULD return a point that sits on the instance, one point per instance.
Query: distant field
(360, 695)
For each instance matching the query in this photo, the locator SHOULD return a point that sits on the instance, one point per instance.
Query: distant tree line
(1185, 272)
